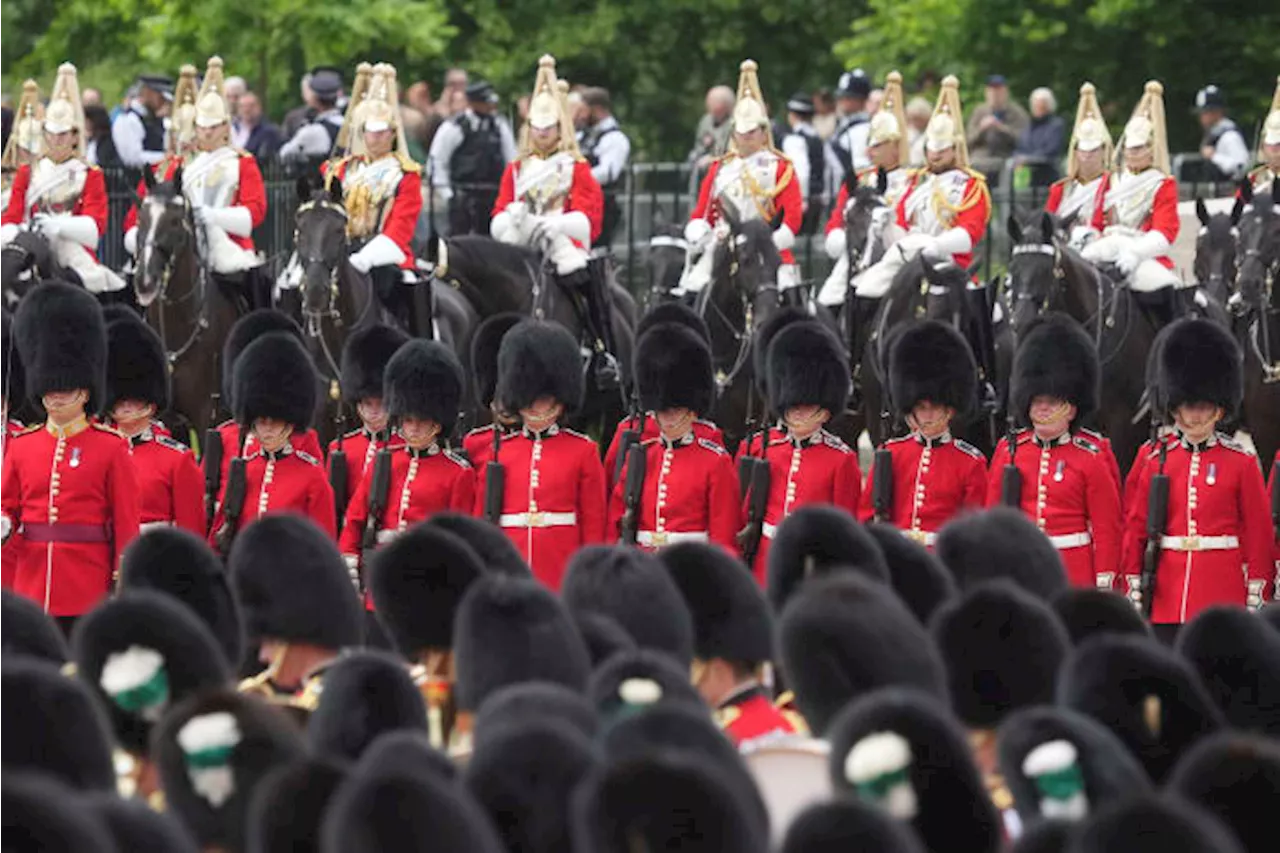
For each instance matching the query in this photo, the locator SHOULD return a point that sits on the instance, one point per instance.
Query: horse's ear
(303, 188)
(882, 181)
(1246, 191)
(1236, 210)
(177, 181)
(1275, 192)
(1047, 226)
(335, 190)
(1202, 212)
(1014, 227)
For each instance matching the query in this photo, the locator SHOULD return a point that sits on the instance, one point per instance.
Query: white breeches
(73, 256)
(1149, 275)
(225, 256)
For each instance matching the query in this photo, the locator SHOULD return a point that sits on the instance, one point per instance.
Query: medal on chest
(75, 457)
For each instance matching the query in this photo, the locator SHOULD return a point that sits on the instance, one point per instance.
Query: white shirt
(449, 136)
(128, 133)
(854, 141)
(797, 151)
(1230, 154)
(613, 150)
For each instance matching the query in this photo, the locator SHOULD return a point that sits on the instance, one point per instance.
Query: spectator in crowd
(468, 155)
(90, 97)
(874, 100)
(314, 140)
(232, 89)
(608, 150)
(578, 114)
(138, 132)
(295, 118)
(251, 131)
(1042, 142)
(415, 128)
(418, 96)
(1222, 146)
(918, 112)
(99, 149)
(824, 113)
(850, 143)
(453, 98)
(522, 109)
(711, 138)
(994, 128)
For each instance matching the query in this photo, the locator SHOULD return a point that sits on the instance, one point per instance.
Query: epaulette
(1085, 444)
(169, 442)
(973, 173)
(712, 446)
(1022, 436)
(457, 458)
(408, 164)
(306, 457)
(706, 423)
(27, 430)
(100, 427)
(968, 449)
(1061, 182)
(346, 435)
(727, 716)
(1231, 444)
(1092, 434)
(900, 439)
(835, 442)
(576, 434)
(481, 430)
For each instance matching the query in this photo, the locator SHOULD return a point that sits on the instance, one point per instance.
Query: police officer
(808, 153)
(468, 155)
(1223, 147)
(315, 140)
(608, 150)
(139, 132)
(850, 138)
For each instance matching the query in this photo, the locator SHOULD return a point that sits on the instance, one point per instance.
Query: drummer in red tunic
(553, 497)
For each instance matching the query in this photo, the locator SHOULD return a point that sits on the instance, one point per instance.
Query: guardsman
(14, 397)
(26, 141)
(364, 360)
(422, 475)
(933, 382)
(647, 427)
(688, 489)
(60, 194)
(1263, 177)
(478, 443)
(888, 148)
(757, 440)
(756, 181)
(69, 490)
(1141, 208)
(1216, 545)
(1082, 192)
(808, 385)
(553, 496)
(274, 396)
(1066, 483)
(170, 484)
(733, 641)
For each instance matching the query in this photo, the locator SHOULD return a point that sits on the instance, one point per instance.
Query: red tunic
(400, 222)
(585, 195)
(1163, 216)
(553, 500)
(788, 199)
(308, 442)
(1096, 216)
(822, 469)
(478, 446)
(690, 493)
(972, 214)
(1216, 495)
(291, 480)
(92, 201)
(1069, 491)
(360, 447)
(748, 714)
(250, 194)
(170, 483)
(56, 490)
(9, 549)
(1108, 456)
(933, 482)
(703, 429)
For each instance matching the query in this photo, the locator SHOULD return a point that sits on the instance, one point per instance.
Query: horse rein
(166, 275)
(1106, 310)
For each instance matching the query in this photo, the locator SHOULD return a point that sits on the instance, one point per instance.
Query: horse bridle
(198, 292)
(746, 337)
(1261, 328)
(1105, 315)
(313, 319)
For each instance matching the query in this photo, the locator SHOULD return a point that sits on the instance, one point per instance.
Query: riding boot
(260, 286)
(860, 312)
(982, 339)
(421, 309)
(607, 370)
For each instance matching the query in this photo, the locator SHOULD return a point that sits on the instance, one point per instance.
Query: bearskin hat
(508, 630)
(816, 540)
(212, 752)
(275, 378)
(246, 330)
(137, 368)
(293, 584)
(807, 366)
(1088, 612)
(524, 776)
(1148, 696)
(842, 637)
(1001, 543)
(843, 825)
(539, 359)
(1235, 776)
(1154, 823)
(290, 804)
(366, 693)
(931, 361)
(916, 575)
(42, 814)
(28, 631)
(901, 751)
(1200, 362)
(418, 580)
(62, 342)
(485, 344)
(496, 551)
(1238, 658)
(179, 563)
(673, 370)
(136, 826)
(1055, 358)
(1003, 648)
(1047, 836)
(673, 312)
(424, 380)
(731, 619)
(764, 335)
(14, 390)
(663, 802)
(408, 752)
(1061, 765)
(634, 588)
(535, 700)
(602, 634)
(630, 681)
(143, 652)
(364, 358)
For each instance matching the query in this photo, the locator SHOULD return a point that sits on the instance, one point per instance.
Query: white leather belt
(1199, 543)
(924, 537)
(153, 525)
(769, 530)
(659, 539)
(537, 519)
(1071, 540)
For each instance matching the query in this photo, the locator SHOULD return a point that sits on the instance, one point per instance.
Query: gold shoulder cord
(976, 194)
(768, 208)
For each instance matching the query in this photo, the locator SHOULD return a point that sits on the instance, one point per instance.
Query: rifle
(1011, 477)
(232, 500)
(338, 474)
(628, 437)
(1157, 518)
(379, 491)
(495, 480)
(212, 463)
(882, 491)
(634, 489)
(759, 482)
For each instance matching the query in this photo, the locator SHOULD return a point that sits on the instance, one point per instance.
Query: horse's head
(865, 216)
(750, 259)
(667, 252)
(164, 231)
(943, 291)
(1216, 246)
(24, 260)
(1259, 249)
(1035, 266)
(320, 239)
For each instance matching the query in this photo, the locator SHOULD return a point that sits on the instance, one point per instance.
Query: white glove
(573, 225)
(509, 225)
(1093, 253)
(1256, 591)
(953, 241)
(1127, 261)
(131, 241)
(234, 220)
(1134, 582)
(696, 229)
(49, 226)
(7, 233)
(837, 243)
(360, 262)
(783, 238)
(381, 251)
(1150, 245)
(913, 244)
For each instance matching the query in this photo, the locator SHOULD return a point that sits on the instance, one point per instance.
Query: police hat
(1055, 358)
(1210, 97)
(853, 84)
(763, 338)
(508, 630)
(1236, 777)
(899, 750)
(481, 92)
(635, 589)
(602, 634)
(485, 343)
(731, 619)
(245, 331)
(27, 631)
(843, 825)
(62, 342)
(1200, 362)
(274, 378)
(800, 103)
(1088, 612)
(137, 368)
(1154, 823)
(496, 551)
(916, 575)
(539, 359)
(424, 379)
(364, 359)
(366, 693)
(818, 539)
(807, 366)
(517, 704)
(1001, 543)
(136, 826)
(672, 369)
(43, 815)
(293, 585)
(161, 83)
(842, 637)
(631, 681)
(1237, 656)
(325, 81)
(290, 804)
(931, 361)
(673, 312)
(143, 652)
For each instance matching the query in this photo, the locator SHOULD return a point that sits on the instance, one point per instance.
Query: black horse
(26, 261)
(1216, 249)
(1258, 328)
(181, 301)
(666, 258)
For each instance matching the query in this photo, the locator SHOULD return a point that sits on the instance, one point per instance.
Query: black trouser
(409, 302)
(469, 211)
(1167, 633)
(612, 215)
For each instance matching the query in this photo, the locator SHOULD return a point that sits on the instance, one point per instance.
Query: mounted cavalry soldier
(1141, 209)
(1264, 176)
(26, 141)
(754, 180)
(548, 199)
(889, 151)
(1082, 193)
(62, 196)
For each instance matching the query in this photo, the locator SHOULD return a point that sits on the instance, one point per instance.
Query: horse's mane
(758, 236)
(482, 251)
